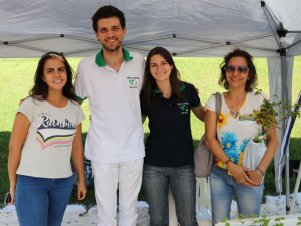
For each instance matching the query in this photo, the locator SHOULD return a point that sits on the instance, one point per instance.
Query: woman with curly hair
(228, 138)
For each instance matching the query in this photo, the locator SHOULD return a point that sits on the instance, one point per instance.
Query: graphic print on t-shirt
(184, 108)
(54, 133)
(133, 81)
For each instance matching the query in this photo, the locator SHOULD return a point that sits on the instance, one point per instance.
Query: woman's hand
(240, 175)
(81, 190)
(12, 190)
(256, 176)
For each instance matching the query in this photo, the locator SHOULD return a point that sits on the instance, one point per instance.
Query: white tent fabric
(200, 28)
(187, 28)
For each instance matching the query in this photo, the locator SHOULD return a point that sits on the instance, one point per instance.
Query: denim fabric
(224, 187)
(42, 201)
(182, 183)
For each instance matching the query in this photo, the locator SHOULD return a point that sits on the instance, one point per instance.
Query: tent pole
(287, 184)
(296, 188)
(285, 98)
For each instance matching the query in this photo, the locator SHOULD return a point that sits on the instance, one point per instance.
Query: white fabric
(116, 132)
(201, 27)
(253, 155)
(107, 177)
(49, 139)
(235, 133)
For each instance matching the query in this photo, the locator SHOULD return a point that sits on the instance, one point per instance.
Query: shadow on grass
(295, 154)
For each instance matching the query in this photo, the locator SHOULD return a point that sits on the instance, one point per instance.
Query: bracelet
(227, 162)
(260, 170)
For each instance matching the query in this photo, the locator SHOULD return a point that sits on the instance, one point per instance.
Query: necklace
(166, 94)
(234, 114)
(239, 103)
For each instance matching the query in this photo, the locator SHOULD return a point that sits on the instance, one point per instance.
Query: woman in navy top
(167, 102)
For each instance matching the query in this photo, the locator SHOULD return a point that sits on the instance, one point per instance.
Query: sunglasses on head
(53, 54)
(240, 69)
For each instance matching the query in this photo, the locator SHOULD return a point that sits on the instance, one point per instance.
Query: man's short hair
(107, 12)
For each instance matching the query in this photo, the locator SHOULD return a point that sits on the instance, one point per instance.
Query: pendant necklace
(234, 114)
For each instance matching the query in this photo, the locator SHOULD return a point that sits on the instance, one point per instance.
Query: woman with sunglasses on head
(228, 138)
(45, 135)
(167, 102)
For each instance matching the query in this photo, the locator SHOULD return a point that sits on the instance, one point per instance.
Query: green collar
(100, 61)
(158, 91)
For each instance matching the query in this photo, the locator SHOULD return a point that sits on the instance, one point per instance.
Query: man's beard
(112, 48)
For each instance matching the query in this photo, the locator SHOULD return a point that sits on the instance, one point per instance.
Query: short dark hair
(40, 88)
(252, 79)
(150, 84)
(107, 12)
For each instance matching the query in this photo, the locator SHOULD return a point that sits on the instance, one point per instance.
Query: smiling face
(110, 33)
(236, 76)
(159, 68)
(55, 75)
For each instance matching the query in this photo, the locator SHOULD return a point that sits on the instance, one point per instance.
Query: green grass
(16, 76)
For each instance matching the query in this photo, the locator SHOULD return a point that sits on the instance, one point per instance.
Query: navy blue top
(170, 140)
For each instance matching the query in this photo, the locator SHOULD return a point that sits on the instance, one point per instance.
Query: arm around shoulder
(199, 112)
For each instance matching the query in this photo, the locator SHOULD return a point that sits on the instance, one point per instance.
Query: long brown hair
(150, 84)
(40, 88)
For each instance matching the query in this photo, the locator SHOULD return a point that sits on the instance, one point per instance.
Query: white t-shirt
(234, 133)
(47, 149)
(116, 132)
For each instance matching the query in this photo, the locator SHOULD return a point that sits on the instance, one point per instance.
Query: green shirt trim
(100, 61)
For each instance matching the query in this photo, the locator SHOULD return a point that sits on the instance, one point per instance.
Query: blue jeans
(223, 187)
(181, 181)
(42, 201)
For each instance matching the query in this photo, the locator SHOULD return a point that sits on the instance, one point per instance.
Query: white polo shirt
(116, 132)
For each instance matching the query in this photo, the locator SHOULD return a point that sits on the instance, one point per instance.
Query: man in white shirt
(112, 80)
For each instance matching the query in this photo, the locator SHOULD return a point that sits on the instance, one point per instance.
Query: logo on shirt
(55, 133)
(133, 82)
(183, 107)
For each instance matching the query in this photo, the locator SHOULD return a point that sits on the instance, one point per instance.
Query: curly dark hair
(107, 12)
(40, 88)
(150, 84)
(252, 79)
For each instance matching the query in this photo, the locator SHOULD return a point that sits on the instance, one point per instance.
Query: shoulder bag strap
(218, 104)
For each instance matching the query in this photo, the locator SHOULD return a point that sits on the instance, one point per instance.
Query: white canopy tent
(201, 28)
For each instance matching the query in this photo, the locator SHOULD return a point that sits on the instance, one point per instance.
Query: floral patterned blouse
(235, 131)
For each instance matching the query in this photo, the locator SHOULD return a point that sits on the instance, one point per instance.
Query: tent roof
(186, 28)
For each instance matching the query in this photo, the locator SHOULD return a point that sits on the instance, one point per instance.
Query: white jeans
(127, 177)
